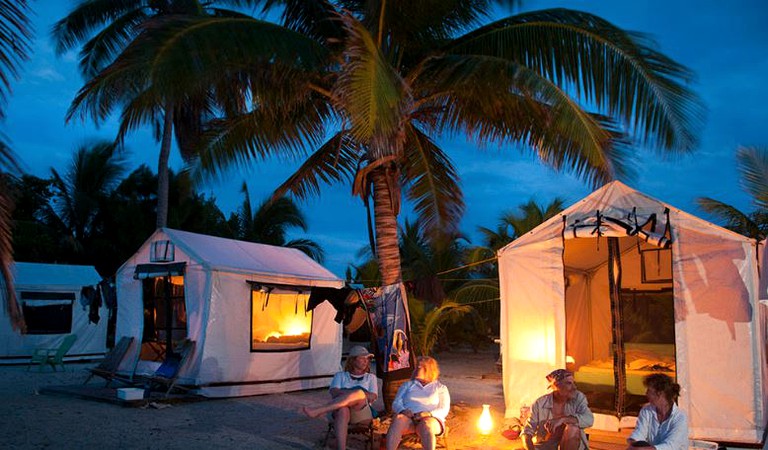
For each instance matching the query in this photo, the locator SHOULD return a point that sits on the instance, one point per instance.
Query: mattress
(642, 360)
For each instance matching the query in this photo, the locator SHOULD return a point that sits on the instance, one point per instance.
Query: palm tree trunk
(162, 169)
(385, 208)
(385, 220)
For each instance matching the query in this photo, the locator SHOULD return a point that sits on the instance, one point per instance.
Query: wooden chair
(52, 356)
(167, 374)
(107, 368)
(365, 429)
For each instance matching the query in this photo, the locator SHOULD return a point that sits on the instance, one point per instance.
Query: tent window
(279, 319)
(656, 265)
(165, 316)
(47, 312)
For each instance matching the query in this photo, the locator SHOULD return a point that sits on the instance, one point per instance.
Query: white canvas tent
(240, 302)
(618, 304)
(51, 300)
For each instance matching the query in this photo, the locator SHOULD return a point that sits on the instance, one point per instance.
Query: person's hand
(407, 413)
(420, 416)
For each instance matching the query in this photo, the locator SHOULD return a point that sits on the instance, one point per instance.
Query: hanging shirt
(672, 434)
(432, 398)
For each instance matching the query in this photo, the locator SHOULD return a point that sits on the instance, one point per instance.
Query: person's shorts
(360, 415)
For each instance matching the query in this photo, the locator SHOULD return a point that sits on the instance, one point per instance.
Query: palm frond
(15, 38)
(731, 218)
(753, 166)
(620, 71)
(370, 94)
(433, 183)
(435, 322)
(334, 161)
(524, 107)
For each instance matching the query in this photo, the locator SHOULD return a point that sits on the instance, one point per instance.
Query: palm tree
(106, 28)
(81, 193)
(270, 222)
(394, 76)
(753, 169)
(15, 36)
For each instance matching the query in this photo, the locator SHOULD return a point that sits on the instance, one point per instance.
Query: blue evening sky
(724, 43)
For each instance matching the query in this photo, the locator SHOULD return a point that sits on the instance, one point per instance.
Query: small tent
(56, 300)
(245, 305)
(621, 285)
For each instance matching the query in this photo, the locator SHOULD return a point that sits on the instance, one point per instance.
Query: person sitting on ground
(558, 419)
(661, 425)
(422, 404)
(352, 391)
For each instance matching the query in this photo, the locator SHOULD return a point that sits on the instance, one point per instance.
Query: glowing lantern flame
(485, 422)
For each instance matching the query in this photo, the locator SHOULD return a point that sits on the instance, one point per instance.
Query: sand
(34, 421)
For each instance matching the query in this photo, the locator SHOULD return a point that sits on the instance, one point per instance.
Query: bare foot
(308, 412)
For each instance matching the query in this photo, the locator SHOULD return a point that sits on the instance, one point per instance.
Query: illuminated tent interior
(50, 296)
(621, 285)
(243, 304)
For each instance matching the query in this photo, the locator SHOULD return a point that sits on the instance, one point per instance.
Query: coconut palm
(395, 76)
(753, 169)
(270, 222)
(105, 28)
(15, 36)
(83, 190)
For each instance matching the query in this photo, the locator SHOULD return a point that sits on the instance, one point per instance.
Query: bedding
(642, 360)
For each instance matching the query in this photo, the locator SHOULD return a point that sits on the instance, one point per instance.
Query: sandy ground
(34, 421)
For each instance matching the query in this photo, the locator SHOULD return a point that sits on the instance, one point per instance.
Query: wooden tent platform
(109, 395)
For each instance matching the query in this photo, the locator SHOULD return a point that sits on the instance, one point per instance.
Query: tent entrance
(165, 316)
(619, 319)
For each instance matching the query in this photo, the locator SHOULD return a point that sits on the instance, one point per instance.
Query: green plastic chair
(52, 356)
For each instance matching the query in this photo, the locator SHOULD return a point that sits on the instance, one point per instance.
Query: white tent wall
(719, 325)
(227, 367)
(717, 333)
(91, 340)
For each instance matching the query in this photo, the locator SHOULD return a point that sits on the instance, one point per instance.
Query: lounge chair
(52, 356)
(107, 368)
(167, 374)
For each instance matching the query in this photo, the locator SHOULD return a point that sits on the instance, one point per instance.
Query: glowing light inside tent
(485, 422)
(278, 320)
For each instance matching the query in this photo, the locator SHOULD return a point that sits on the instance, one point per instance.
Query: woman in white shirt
(661, 425)
(421, 406)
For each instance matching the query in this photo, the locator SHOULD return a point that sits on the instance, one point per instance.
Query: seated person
(421, 405)
(352, 391)
(661, 424)
(558, 419)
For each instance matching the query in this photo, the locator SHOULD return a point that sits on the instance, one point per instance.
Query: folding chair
(107, 368)
(52, 356)
(167, 374)
(365, 429)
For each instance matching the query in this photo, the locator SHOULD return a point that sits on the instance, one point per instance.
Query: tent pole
(168, 318)
(619, 358)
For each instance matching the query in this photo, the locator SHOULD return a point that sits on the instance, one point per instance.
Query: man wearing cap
(558, 419)
(352, 391)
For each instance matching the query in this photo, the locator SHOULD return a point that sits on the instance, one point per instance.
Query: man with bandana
(558, 419)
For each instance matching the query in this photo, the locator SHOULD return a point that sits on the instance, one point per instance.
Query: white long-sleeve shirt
(432, 398)
(672, 434)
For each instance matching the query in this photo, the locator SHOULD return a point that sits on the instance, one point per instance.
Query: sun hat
(359, 350)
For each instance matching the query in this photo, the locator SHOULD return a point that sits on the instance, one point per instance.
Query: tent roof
(616, 199)
(216, 253)
(64, 275)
